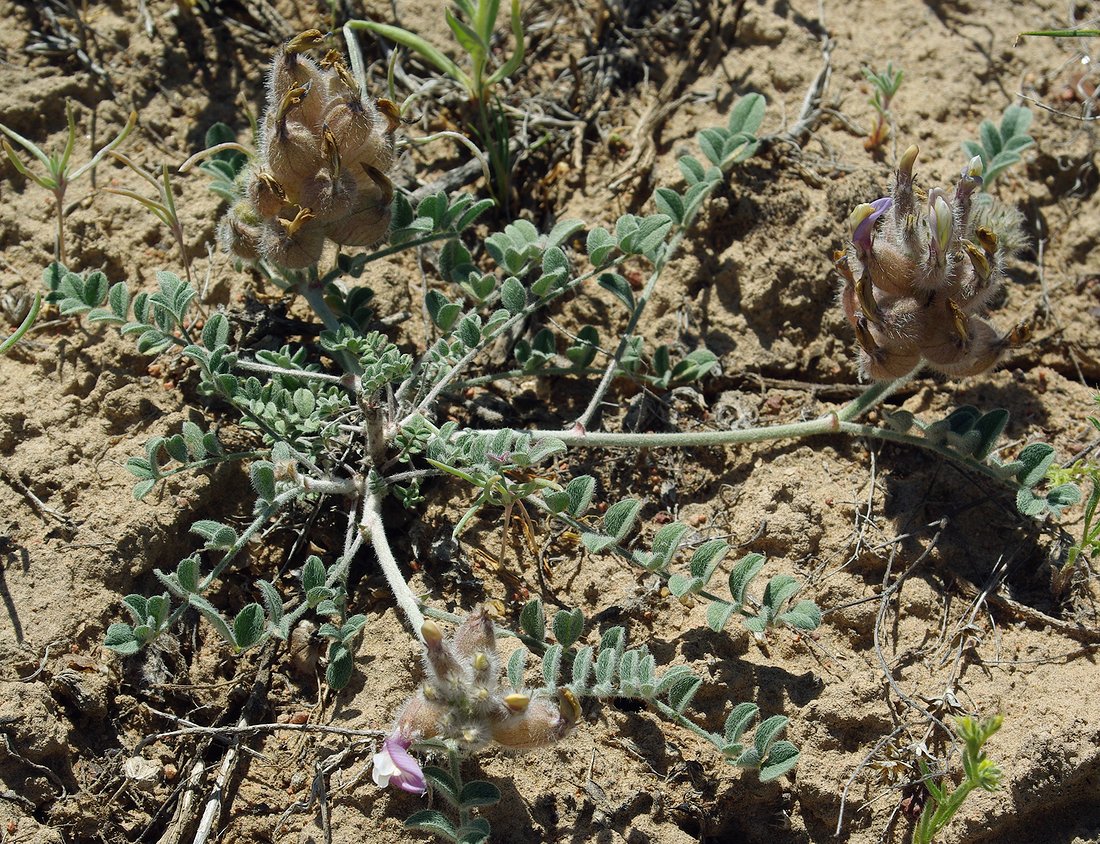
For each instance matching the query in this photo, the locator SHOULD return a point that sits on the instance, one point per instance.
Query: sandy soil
(977, 616)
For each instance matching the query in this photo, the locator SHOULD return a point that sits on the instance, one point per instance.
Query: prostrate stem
(371, 524)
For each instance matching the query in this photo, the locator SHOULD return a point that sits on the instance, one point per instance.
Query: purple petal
(409, 776)
(861, 237)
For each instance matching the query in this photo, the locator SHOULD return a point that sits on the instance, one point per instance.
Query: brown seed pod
(365, 226)
(293, 243)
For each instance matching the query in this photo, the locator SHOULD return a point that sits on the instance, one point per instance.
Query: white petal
(383, 769)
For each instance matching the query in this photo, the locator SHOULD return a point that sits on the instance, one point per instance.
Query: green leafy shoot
(56, 172)
(978, 772)
(1000, 148)
(884, 87)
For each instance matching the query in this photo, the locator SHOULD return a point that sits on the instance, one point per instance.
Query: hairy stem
(372, 525)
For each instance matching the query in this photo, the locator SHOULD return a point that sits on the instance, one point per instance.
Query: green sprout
(58, 176)
(472, 22)
(1000, 148)
(978, 770)
(885, 86)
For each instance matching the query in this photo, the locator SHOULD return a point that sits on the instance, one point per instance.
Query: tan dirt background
(754, 284)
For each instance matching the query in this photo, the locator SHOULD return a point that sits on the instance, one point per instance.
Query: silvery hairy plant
(355, 419)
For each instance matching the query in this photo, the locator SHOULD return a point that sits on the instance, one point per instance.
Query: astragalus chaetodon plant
(919, 275)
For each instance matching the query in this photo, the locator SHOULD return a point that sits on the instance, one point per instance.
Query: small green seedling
(1000, 148)
(58, 176)
(978, 772)
(884, 86)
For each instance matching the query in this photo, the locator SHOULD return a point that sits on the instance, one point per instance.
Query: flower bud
(863, 219)
(939, 223)
(908, 159)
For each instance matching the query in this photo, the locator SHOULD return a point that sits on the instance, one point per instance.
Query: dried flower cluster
(461, 699)
(320, 173)
(918, 280)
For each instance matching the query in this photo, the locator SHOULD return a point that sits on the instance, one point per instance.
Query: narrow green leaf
(313, 573)
(748, 114)
(341, 664)
(768, 731)
(513, 296)
(120, 639)
(580, 491)
(1036, 459)
(738, 721)
(618, 286)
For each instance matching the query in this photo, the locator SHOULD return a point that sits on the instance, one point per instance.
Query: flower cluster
(321, 170)
(461, 700)
(918, 280)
